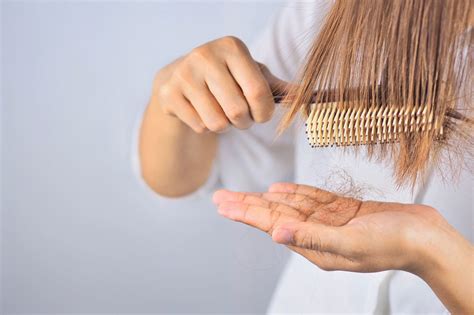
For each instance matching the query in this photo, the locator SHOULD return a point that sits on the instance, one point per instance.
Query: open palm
(332, 231)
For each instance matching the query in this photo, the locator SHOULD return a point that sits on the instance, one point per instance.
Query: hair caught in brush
(397, 53)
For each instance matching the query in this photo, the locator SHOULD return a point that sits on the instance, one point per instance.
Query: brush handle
(332, 96)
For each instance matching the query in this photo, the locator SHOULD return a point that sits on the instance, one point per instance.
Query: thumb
(314, 236)
(278, 86)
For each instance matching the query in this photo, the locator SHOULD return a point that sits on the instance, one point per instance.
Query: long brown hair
(397, 52)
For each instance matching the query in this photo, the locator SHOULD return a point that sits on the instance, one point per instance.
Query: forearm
(175, 160)
(450, 273)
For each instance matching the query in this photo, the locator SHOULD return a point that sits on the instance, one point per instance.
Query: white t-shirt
(251, 160)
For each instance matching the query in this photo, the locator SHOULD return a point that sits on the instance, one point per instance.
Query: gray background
(79, 231)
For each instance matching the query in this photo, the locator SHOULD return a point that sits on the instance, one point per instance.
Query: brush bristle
(329, 124)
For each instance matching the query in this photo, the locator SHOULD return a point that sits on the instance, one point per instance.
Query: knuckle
(201, 53)
(263, 103)
(164, 91)
(237, 113)
(263, 116)
(232, 43)
(303, 239)
(183, 73)
(314, 242)
(258, 92)
(218, 125)
(244, 127)
(199, 129)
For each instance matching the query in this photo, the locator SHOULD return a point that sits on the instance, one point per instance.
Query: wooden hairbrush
(330, 123)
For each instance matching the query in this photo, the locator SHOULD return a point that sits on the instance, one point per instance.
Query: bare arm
(175, 160)
(216, 86)
(451, 274)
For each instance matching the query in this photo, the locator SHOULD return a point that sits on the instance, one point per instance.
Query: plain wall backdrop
(80, 233)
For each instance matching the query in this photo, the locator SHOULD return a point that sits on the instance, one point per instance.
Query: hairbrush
(332, 123)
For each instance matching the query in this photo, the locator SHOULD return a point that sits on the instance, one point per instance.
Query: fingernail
(282, 236)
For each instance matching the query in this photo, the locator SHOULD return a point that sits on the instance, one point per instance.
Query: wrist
(429, 255)
(447, 266)
(424, 240)
(438, 251)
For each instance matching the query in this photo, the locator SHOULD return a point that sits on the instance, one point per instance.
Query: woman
(219, 87)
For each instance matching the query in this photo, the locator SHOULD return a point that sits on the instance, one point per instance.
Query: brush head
(330, 124)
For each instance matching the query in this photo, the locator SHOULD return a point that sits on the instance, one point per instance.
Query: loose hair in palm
(394, 75)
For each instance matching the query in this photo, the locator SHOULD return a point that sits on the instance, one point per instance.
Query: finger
(187, 114)
(259, 217)
(318, 237)
(253, 84)
(255, 199)
(230, 97)
(278, 87)
(223, 195)
(302, 203)
(317, 194)
(207, 107)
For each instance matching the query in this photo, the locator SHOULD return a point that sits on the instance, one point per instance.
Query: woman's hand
(339, 233)
(215, 85)
(334, 232)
